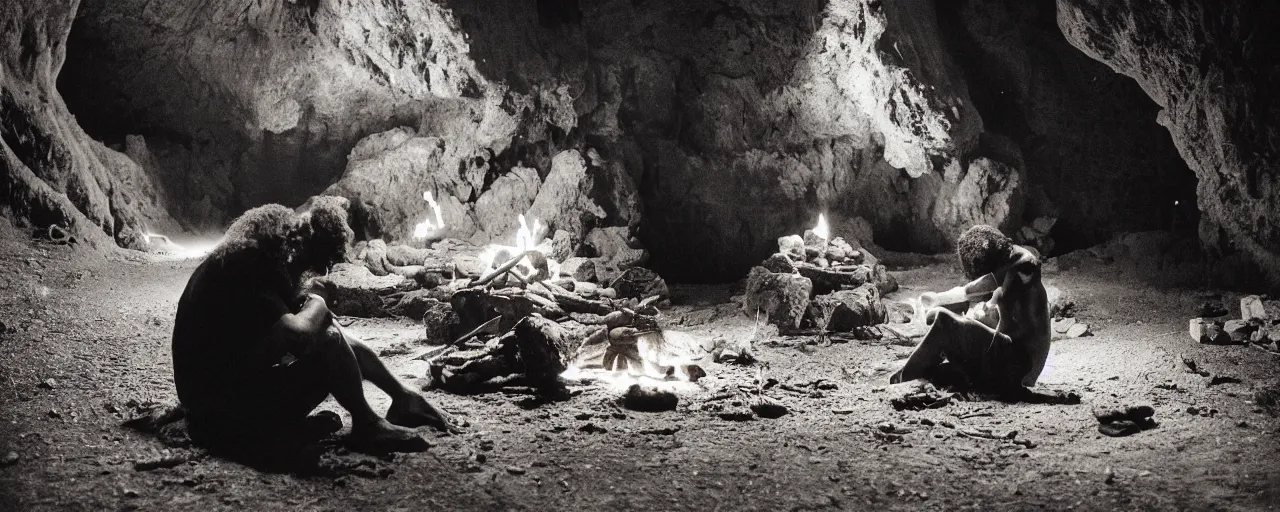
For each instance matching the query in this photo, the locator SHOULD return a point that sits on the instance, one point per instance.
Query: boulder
(1208, 332)
(1239, 330)
(846, 310)
(779, 263)
(782, 298)
(352, 290)
(580, 269)
(792, 246)
(640, 283)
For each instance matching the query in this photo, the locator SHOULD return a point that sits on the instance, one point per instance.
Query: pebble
(516, 470)
(9, 459)
(47, 384)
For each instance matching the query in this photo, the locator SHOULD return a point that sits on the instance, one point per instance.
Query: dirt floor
(86, 338)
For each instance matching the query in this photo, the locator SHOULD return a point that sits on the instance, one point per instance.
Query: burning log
(534, 353)
(476, 306)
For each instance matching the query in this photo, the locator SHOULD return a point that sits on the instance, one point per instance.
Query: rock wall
(1212, 68)
(707, 128)
(53, 173)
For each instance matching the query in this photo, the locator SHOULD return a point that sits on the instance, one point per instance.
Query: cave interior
(770, 193)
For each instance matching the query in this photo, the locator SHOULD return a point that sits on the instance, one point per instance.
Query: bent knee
(940, 315)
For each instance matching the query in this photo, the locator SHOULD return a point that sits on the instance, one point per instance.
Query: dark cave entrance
(1087, 136)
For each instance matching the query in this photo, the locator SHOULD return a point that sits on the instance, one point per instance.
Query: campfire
(817, 284)
(512, 317)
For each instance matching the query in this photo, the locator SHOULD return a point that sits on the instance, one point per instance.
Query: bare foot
(413, 410)
(380, 436)
(896, 378)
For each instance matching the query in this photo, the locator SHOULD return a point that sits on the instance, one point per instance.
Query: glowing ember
(426, 228)
(822, 229)
(668, 360)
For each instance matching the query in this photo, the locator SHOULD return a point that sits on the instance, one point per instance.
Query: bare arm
(975, 289)
(310, 321)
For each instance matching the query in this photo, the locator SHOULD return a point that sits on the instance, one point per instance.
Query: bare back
(1024, 309)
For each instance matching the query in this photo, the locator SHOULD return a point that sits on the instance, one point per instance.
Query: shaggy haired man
(1002, 342)
(253, 355)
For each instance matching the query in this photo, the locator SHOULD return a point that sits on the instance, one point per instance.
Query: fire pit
(818, 284)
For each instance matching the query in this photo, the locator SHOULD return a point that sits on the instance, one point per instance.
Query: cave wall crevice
(1211, 68)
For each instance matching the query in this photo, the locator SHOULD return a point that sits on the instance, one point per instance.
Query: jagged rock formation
(54, 174)
(706, 128)
(1212, 68)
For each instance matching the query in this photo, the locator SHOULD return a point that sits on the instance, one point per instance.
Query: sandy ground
(99, 327)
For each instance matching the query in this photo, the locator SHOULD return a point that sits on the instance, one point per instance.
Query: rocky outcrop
(1211, 67)
(704, 129)
(53, 173)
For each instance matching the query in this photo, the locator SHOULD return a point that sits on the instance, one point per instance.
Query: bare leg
(948, 333)
(347, 387)
(408, 407)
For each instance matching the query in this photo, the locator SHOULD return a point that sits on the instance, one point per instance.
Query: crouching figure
(253, 354)
(1001, 342)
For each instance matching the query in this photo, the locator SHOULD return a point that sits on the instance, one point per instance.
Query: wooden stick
(498, 271)
(490, 324)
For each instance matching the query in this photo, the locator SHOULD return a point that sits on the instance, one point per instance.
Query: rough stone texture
(846, 310)
(782, 298)
(52, 172)
(1211, 67)
(1069, 123)
(732, 122)
(355, 291)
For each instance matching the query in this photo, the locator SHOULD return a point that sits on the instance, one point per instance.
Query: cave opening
(1086, 137)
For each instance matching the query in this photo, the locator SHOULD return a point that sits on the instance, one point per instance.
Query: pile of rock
(813, 283)
(1259, 323)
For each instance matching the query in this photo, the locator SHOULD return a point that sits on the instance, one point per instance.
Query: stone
(1135, 413)
(9, 459)
(580, 269)
(769, 409)
(441, 323)
(782, 298)
(586, 288)
(1239, 330)
(899, 312)
(829, 280)
(846, 310)
(640, 283)
(616, 248)
(1252, 308)
(778, 263)
(1208, 332)
(1079, 330)
(608, 293)
(839, 251)
(352, 290)
(1119, 428)
(1043, 225)
(645, 398)
(792, 246)
(1061, 325)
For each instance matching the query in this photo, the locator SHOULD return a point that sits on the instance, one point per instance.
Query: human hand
(928, 300)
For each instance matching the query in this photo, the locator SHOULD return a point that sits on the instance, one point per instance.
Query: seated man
(249, 368)
(1002, 342)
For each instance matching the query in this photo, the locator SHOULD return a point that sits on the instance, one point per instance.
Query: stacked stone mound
(817, 284)
(1259, 323)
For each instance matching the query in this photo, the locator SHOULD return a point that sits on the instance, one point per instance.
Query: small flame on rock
(527, 239)
(426, 228)
(822, 229)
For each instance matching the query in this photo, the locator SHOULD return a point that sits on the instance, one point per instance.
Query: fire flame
(527, 239)
(425, 228)
(822, 229)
